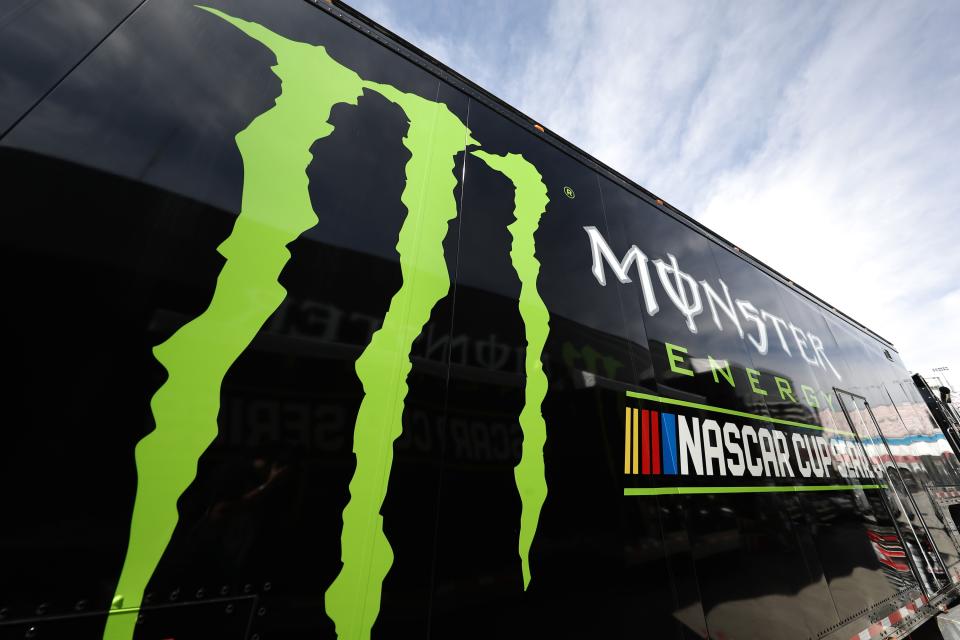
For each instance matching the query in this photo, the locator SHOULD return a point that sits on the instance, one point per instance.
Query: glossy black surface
(41, 41)
(124, 180)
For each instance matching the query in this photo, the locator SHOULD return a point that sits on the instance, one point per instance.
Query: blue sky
(822, 137)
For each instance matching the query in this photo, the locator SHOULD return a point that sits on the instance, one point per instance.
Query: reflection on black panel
(588, 337)
(42, 41)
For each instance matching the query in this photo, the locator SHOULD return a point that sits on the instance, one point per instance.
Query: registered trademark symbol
(567, 191)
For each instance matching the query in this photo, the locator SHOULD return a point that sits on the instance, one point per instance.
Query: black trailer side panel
(601, 325)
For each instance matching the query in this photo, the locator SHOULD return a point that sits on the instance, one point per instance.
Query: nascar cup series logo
(674, 446)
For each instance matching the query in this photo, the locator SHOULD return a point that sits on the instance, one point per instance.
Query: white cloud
(853, 192)
(820, 137)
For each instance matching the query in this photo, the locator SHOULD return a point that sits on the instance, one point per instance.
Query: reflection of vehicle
(889, 550)
(312, 336)
(941, 408)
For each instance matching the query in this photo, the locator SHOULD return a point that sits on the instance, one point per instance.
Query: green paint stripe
(734, 412)
(663, 491)
(530, 203)
(112, 612)
(275, 210)
(434, 138)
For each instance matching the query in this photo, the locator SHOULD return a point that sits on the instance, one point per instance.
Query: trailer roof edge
(411, 52)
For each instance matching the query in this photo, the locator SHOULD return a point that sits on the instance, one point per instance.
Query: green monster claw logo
(275, 210)
(530, 202)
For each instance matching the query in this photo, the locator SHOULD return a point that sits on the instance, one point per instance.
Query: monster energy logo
(275, 210)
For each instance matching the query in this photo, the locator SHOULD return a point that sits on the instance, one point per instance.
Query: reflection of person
(238, 490)
(226, 517)
(236, 519)
(945, 395)
(268, 472)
